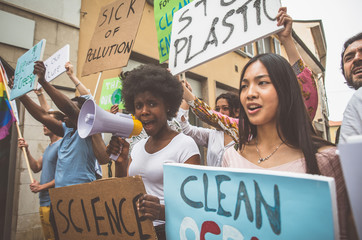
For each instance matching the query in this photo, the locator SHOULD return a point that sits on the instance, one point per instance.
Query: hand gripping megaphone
(93, 119)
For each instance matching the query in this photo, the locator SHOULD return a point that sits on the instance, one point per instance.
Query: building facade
(72, 22)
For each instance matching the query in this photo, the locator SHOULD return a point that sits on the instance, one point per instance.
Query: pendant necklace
(267, 157)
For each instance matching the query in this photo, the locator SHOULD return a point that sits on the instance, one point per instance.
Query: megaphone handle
(114, 157)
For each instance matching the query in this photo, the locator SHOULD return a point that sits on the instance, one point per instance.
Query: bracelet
(39, 94)
(191, 103)
(76, 85)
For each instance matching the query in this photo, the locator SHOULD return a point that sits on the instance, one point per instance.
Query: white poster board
(204, 30)
(351, 158)
(55, 64)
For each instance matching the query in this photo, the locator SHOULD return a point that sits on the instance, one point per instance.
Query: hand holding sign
(39, 70)
(150, 208)
(284, 20)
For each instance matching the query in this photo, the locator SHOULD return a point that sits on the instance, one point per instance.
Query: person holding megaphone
(153, 95)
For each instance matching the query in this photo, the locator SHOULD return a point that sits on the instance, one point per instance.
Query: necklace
(267, 157)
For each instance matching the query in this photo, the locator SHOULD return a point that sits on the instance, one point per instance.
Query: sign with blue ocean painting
(226, 203)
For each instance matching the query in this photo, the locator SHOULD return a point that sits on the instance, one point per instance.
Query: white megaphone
(93, 119)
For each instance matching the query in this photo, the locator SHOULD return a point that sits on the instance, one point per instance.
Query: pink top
(329, 165)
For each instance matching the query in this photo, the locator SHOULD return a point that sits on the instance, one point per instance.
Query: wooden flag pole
(19, 133)
(95, 90)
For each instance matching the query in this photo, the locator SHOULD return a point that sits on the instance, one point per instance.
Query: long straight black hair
(293, 121)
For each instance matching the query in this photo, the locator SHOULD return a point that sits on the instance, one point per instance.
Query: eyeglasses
(224, 108)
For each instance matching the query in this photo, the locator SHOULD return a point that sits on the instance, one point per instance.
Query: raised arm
(39, 113)
(35, 165)
(304, 75)
(199, 134)
(99, 149)
(42, 116)
(78, 84)
(285, 36)
(206, 114)
(64, 104)
(43, 102)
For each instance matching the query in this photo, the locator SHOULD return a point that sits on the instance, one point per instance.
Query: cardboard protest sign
(55, 64)
(111, 93)
(163, 11)
(114, 36)
(24, 79)
(204, 30)
(350, 154)
(103, 209)
(230, 203)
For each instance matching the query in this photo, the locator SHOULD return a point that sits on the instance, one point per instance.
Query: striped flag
(6, 113)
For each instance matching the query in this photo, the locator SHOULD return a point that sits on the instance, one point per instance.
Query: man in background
(46, 164)
(351, 65)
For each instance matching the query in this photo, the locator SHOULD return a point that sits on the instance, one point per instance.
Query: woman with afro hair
(154, 96)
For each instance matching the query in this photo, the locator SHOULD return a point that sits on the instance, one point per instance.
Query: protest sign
(350, 154)
(111, 93)
(24, 79)
(230, 203)
(103, 209)
(55, 64)
(114, 36)
(164, 10)
(204, 30)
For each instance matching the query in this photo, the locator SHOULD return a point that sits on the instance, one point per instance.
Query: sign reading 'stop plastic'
(204, 30)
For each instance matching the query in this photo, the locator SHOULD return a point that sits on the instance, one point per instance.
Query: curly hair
(156, 80)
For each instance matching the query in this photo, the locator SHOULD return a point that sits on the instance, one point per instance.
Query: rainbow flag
(6, 113)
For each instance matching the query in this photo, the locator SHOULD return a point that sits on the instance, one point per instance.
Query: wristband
(77, 84)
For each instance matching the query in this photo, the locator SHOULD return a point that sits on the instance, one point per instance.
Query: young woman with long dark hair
(276, 132)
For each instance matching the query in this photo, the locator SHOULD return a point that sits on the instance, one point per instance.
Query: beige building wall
(312, 35)
(333, 127)
(25, 215)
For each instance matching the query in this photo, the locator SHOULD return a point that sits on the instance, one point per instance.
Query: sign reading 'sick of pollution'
(228, 203)
(204, 30)
(114, 36)
(103, 209)
(164, 10)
